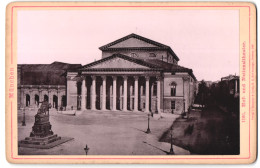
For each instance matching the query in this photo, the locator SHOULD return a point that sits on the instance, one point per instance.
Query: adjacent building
(38, 82)
(226, 93)
(232, 82)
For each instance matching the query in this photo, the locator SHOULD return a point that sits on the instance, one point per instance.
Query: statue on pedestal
(42, 126)
(42, 136)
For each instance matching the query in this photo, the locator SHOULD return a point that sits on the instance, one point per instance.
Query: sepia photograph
(131, 81)
(128, 82)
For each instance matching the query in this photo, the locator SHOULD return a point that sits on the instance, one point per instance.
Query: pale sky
(206, 41)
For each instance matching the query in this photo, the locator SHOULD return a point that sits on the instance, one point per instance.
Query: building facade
(134, 74)
(38, 82)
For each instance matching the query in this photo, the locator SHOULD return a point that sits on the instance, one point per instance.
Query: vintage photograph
(128, 82)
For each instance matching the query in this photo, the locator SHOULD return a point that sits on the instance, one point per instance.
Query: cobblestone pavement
(105, 133)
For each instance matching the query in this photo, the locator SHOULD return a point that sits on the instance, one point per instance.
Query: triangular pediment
(118, 62)
(132, 42)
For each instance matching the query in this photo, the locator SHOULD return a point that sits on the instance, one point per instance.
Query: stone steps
(40, 141)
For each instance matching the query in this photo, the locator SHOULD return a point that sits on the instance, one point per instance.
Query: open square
(105, 133)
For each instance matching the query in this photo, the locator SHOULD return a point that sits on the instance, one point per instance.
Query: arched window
(173, 86)
(55, 101)
(36, 99)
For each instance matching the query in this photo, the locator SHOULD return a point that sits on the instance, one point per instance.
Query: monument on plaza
(42, 135)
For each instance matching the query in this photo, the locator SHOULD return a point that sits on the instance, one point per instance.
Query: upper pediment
(118, 61)
(132, 42)
(136, 42)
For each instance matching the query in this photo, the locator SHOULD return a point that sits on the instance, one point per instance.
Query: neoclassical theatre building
(134, 74)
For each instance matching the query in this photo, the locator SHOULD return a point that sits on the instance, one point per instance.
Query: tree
(202, 93)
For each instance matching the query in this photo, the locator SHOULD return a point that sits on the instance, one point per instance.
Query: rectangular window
(173, 91)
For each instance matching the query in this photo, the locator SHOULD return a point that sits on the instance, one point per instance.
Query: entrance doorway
(46, 98)
(55, 101)
(36, 99)
(63, 101)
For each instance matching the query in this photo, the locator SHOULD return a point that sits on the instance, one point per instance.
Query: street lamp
(148, 129)
(171, 150)
(86, 149)
(184, 113)
(23, 122)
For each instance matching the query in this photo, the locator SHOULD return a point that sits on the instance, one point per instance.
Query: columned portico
(132, 98)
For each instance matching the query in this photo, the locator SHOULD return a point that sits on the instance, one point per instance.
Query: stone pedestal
(42, 136)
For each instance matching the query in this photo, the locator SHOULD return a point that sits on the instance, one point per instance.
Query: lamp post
(148, 129)
(184, 113)
(23, 122)
(171, 149)
(86, 149)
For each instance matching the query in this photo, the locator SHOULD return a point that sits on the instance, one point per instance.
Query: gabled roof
(159, 45)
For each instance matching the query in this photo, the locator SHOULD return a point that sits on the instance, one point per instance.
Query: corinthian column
(83, 94)
(158, 94)
(93, 93)
(125, 94)
(114, 92)
(136, 94)
(147, 79)
(104, 93)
